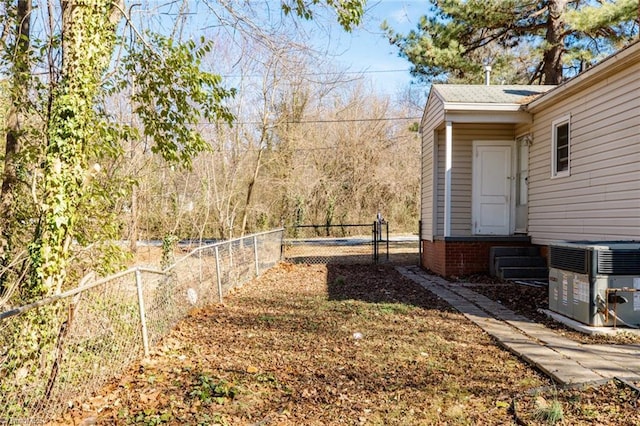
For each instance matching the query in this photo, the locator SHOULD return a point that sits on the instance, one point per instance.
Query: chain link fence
(95, 331)
(344, 244)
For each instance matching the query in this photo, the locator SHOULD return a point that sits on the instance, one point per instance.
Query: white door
(492, 185)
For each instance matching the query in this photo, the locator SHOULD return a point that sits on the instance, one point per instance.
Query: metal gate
(344, 243)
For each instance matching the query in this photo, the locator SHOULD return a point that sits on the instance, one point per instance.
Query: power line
(324, 73)
(341, 120)
(353, 120)
(338, 120)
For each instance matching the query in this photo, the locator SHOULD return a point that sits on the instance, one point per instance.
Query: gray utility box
(596, 282)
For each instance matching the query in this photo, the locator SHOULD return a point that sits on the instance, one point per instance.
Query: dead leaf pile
(323, 345)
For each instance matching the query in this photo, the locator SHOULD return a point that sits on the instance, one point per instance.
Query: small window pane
(562, 147)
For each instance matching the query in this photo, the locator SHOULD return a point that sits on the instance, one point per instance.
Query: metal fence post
(387, 224)
(218, 274)
(143, 314)
(375, 242)
(231, 268)
(282, 247)
(255, 253)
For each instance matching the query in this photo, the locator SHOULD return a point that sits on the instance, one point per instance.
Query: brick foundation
(463, 256)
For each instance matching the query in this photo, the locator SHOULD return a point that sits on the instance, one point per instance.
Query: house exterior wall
(439, 181)
(432, 118)
(462, 168)
(600, 199)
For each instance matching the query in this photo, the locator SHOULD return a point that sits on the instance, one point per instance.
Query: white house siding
(461, 176)
(600, 200)
(432, 118)
(439, 177)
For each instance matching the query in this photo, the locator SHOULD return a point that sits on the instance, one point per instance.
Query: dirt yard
(336, 344)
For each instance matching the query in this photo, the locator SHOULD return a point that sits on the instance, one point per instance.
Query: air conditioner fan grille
(618, 262)
(569, 259)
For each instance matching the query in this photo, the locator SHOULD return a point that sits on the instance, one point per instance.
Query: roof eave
(484, 106)
(487, 116)
(424, 111)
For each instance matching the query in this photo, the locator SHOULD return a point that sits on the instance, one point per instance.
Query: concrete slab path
(567, 362)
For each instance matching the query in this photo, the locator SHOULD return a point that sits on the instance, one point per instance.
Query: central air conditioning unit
(596, 282)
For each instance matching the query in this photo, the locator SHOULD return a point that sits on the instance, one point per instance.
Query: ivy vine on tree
(89, 38)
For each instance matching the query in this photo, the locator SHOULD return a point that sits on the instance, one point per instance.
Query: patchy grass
(609, 404)
(325, 345)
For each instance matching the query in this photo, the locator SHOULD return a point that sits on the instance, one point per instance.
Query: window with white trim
(561, 147)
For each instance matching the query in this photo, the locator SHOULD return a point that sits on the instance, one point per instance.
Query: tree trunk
(250, 192)
(133, 220)
(20, 87)
(88, 30)
(552, 57)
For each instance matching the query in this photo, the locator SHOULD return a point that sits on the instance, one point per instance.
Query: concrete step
(506, 252)
(523, 273)
(499, 251)
(501, 262)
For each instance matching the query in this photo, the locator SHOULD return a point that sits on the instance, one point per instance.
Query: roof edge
(484, 106)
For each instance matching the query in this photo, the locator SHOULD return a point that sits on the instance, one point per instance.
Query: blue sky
(367, 49)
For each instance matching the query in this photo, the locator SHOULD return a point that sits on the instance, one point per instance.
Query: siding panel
(440, 183)
(601, 198)
(434, 115)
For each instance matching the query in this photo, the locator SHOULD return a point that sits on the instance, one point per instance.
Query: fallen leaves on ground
(328, 345)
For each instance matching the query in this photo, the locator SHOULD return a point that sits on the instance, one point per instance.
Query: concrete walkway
(567, 362)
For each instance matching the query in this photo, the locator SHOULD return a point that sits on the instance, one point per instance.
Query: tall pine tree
(525, 41)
